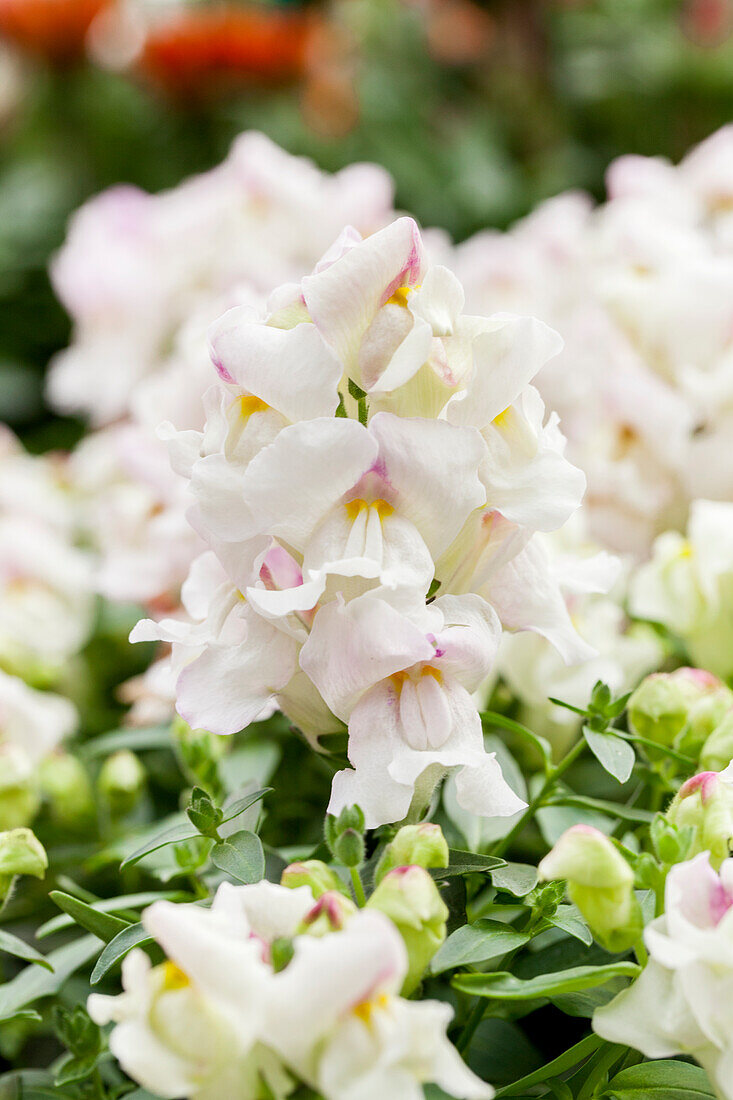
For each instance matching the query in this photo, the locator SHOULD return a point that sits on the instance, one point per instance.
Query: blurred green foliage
(559, 89)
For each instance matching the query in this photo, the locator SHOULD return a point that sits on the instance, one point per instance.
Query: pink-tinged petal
(467, 646)
(506, 359)
(291, 370)
(353, 646)
(697, 893)
(430, 474)
(343, 299)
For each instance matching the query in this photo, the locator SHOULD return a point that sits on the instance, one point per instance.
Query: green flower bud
(349, 848)
(19, 798)
(66, 786)
(21, 853)
(414, 845)
(331, 913)
(705, 804)
(121, 781)
(663, 703)
(600, 882)
(282, 950)
(717, 752)
(411, 900)
(313, 873)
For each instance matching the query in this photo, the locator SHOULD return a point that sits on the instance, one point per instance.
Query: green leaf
(137, 740)
(664, 1080)
(241, 856)
(612, 753)
(504, 986)
(234, 806)
(569, 920)
(134, 935)
(619, 809)
(175, 835)
(33, 982)
(477, 943)
(561, 1064)
(467, 863)
(516, 878)
(113, 905)
(14, 945)
(92, 920)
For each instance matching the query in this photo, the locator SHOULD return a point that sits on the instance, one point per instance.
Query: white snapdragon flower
(688, 585)
(366, 447)
(218, 1016)
(681, 1002)
(32, 723)
(403, 684)
(640, 289)
(135, 266)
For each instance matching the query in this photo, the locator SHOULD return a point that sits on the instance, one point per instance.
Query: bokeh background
(479, 109)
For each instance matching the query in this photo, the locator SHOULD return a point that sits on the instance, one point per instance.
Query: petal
(353, 646)
(227, 687)
(430, 468)
(290, 369)
(506, 359)
(343, 299)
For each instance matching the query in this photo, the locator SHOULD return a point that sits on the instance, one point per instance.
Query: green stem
(359, 895)
(477, 1015)
(548, 786)
(641, 952)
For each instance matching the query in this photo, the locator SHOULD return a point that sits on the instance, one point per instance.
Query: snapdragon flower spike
(331, 1016)
(367, 445)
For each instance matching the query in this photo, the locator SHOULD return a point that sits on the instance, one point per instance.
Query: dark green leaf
(664, 1080)
(33, 982)
(466, 863)
(92, 920)
(516, 878)
(627, 813)
(137, 740)
(561, 1064)
(503, 986)
(241, 856)
(113, 905)
(14, 945)
(234, 806)
(175, 835)
(612, 753)
(134, 935)
(477, 943)
(569, 920)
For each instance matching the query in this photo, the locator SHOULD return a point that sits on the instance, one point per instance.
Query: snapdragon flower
(681, 1002)
(640, 288)
(371, 472)
(218, 1015)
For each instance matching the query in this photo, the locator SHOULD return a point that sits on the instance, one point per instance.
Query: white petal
(290, 369)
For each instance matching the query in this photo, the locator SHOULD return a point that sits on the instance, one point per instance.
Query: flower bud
(414, 845)
(66, 786)
(705, 804)
(330, 914)
(313, 873)
(19, 799)
(717, 752)
(121, 781)
(661, 706)
(411, 900)
(21, 853)
(349, 848)
(600, 882)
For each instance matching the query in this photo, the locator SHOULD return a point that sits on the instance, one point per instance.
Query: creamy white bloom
(136, 266)
(32, 723)
(688, 586)
(218, 1016)
(681, 1002)
(640, 288)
